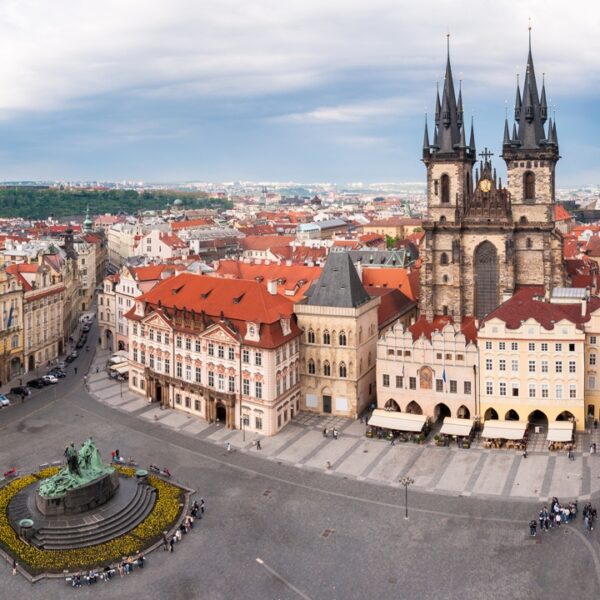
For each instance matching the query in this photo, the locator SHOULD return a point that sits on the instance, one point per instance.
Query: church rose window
(486, 279)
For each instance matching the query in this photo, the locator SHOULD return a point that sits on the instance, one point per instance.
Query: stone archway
(414, 408)
(463, 412)
(490, 415)
(221, 412)
(392, 405)
(440, 411)
(511, 415)
(485, 271)
(565, 415)
(537, 417)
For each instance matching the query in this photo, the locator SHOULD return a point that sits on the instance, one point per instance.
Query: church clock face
(485, 185)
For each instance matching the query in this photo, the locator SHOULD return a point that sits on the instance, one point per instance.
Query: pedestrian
(165, 542)
(258, 446)
(335, 434)
(172, 543)
(202, 505)
(228, 447)
(14, 567)
(75, 370)
(532, 527)
(324, 432)
(557, 519)
(178, 535)
(85, 379)
(393, 442)
(97, 369)
(524, 452)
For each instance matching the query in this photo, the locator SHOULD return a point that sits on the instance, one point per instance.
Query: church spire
(506, 140)
(472, 138)
(438, 104)
(426, 138)
(460, 104)
(543, 103)
(518, 101)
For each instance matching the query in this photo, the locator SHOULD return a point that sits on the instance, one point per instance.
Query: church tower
(483, 240)
(449, 161)
(531, 154)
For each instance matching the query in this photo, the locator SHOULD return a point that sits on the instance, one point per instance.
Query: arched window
(445, 278)
(342, 338)
(343, 371)
(443, 259)
(529, 243)
(445, 182)
(326, 337)
(311, 336)
(523, 220)
(442, 219)
(529, 186)
(311, 367)
(326, 369)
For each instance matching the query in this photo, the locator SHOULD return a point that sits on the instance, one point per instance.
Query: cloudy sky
(304, 90)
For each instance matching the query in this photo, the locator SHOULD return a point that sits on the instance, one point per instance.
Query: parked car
(20, 390)
(4, 401)
(61, 365)
(50, 379)
(80, 344)
(69, 359)
(59, 373)
(36, 383)
(74, 354)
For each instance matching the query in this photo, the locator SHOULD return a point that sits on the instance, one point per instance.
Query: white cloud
(55, 54)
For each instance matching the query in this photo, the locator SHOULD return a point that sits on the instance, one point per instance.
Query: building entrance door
(327, 404)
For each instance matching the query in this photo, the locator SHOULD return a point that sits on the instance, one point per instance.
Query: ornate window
(486, 279)
(343, 370)
(445, 183)
(311, 336)
(311, 367)
(529, 186)
(443, 259)
(326, 337)
(342, 338)
(326, 369)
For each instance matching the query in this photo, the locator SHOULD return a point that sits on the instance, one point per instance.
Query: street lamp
(406, 481)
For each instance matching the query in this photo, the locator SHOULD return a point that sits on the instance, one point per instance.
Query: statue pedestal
(80, 499)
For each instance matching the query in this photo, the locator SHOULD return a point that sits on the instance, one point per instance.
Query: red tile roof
(396, 222)
(265, 242)
(405, 280)
(424, 327)
(561, 213)
(524, 305)
(172, 240)
(152, 272)
(191, 224)
(292, 280)
(236, 300)
(393, 304)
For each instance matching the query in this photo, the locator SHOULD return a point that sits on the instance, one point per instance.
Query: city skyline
(300, 92)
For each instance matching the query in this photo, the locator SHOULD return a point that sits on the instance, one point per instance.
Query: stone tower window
(311, 336)
(343, 370)
(529, 243)
(311, 367)
(486, 279)
(445, 182)
(342, 338)
(326, 369)
(326, 337)
(444, 259)
(523, 220)
(445, 278)
(529, 186)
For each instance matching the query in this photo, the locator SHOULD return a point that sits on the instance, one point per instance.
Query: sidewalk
(450, 471)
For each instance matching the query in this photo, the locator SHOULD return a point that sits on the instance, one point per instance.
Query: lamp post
(406, 481)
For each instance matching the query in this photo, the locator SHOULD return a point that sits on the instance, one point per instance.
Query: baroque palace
(499, 336)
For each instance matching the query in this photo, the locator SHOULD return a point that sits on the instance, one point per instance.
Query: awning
(560, 431)
(120, 368)
(398, 421)
(504, 430)
(454, 426)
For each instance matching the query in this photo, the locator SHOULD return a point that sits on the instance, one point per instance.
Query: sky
(272, 90)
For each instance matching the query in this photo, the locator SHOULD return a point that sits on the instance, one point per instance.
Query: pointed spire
(436, 144)
(472, 138)
(543, 103)
(460, 104)
(554, 136)
(518, 101)
(426, 137)
(463, 141)
(438, 104)
(449, 127)
(550, 132)
(506, 140)
(515, 135)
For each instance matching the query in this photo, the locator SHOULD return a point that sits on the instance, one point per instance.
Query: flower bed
(36, 560)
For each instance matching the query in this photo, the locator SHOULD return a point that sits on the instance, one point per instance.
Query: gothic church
(483, 240)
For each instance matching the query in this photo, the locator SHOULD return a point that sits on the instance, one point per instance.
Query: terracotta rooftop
(424, 327)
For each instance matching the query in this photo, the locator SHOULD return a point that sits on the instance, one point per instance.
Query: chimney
(272, 287)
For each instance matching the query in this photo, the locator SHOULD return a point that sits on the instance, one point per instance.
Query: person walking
(258, 446)
(228, 447)
(532, 528)
(14, 567)
(75, 370)
(165, 542)
(172, 543)
(202, 505)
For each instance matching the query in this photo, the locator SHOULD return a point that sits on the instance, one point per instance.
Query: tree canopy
(41, 203)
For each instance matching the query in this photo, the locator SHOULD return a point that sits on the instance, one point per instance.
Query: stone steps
(91, 534)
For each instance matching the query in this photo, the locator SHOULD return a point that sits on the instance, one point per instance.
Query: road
(273, 531)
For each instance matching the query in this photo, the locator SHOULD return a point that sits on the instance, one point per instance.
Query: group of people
(561, 514)
(196, 512)
(123, 568)
(334, 433)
